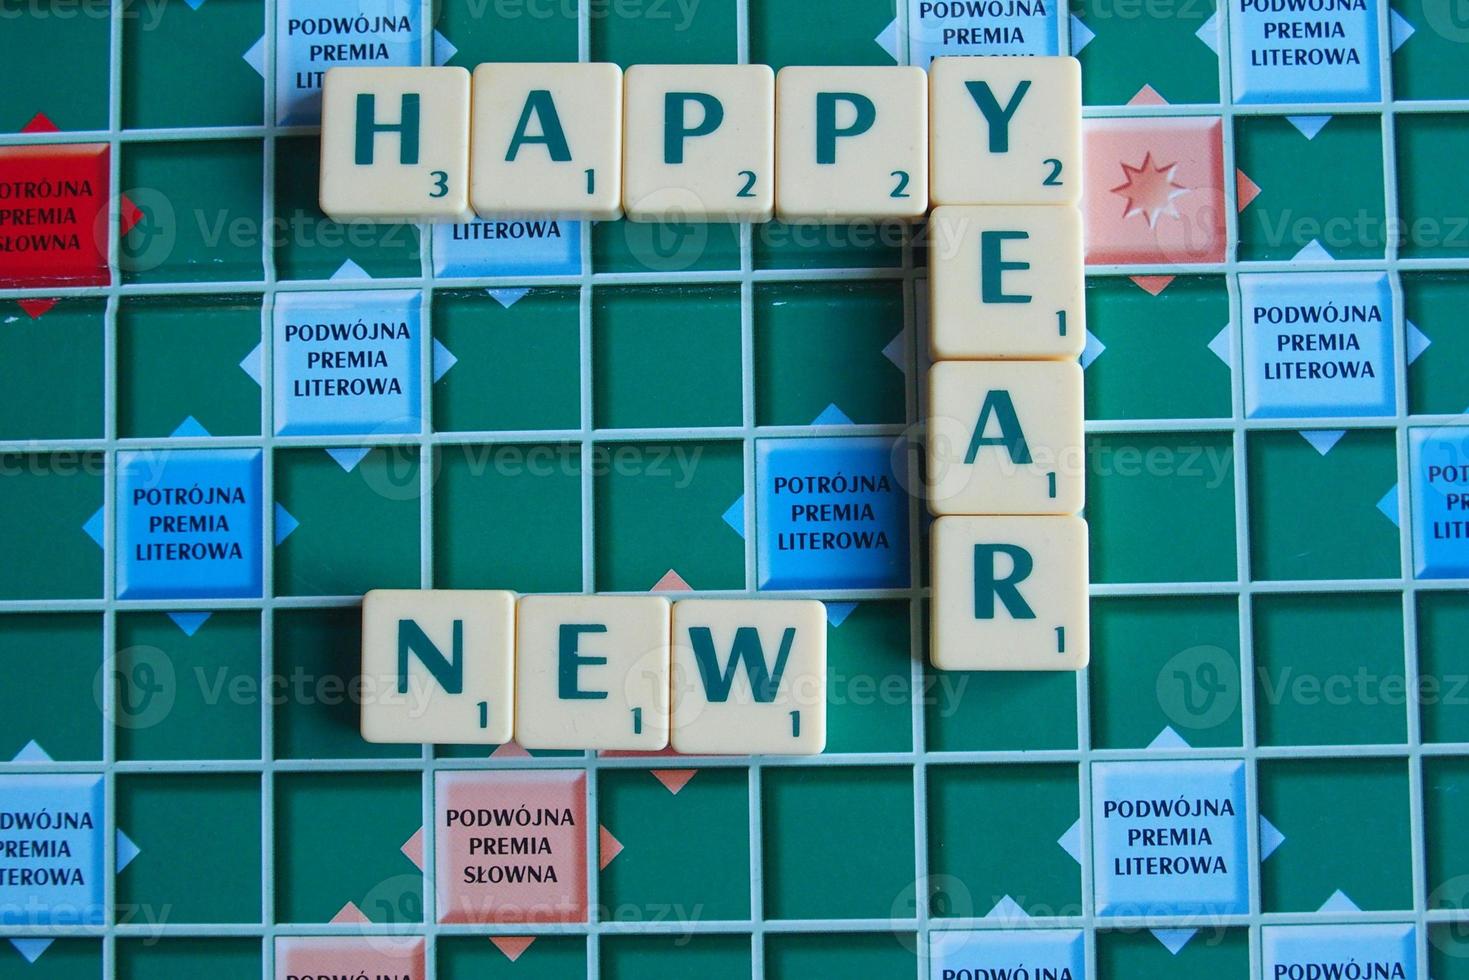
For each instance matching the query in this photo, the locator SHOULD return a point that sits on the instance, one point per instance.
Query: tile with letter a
(437, 666)
(547, 141)
(851, 144)
(395, 144)
(749, 677)
(1005, 130)
(1005, 437)
(700, 143)
(591, 672)
(1009, 593)
(1006, 283)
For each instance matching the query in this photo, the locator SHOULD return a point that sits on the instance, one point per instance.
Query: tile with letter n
(1445, 781)
(199, 211)
(798, 956)
(1030, 808)
(1432, 187)
(173, 42)
(516, 34)
(50, 504)
(818, 32)
(1221, 954)
(339, 840)
(1172, 333)
(819, 825)
(504, 363)
(1432, 303)
(869, 678)
(1320, 189)
(1443, 693)
(309, 245)
(1124, 50)
(1329, 669)
(53, 705)
(191, 828)
(661, 507)
(711, 957)
(1322, 515)
(61, 959)
(1426, 64)
(1170, 496)
(57, 62)
(51, 369)
(182, 359)
(332, 501)
(1162, 662)
(511, 957)
(1345, 825)
(662, 870)
(186, 958)
(508, 516)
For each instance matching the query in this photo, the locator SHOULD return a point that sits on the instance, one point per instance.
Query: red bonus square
(53, 215)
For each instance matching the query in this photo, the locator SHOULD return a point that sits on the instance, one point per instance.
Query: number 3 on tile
(441, 184)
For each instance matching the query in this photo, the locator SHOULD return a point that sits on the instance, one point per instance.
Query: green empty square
(665, 33)
(1155, 47)
(56, 660)
(819, 826)
(869, 700)
(1220, 954)
(183, 696)
(1170, 498)
(1030, 808)
(51, 372)
(517, 32)
(1164, 338)
(508, 517)
(478, 958)
(717, 957)
(318, 710)
(1448, 951)
(188, 959)
(199, 207)
(1429, 63)
(1316, 516)
(191, 829)
(663, 872)
(50, 505)
(1165, 662)
(182, 358)
(356, 529)
(1346, 828)
(801, 957)
(666, 357)
(819, 32)
(665, 247)
(660, 507)
(819, 345)
(1443, 693)
(813, 245)
(1434, 303)
(170, 43)
(56, 55)
(516, 367)
(1446, 842)
(327, 854)
(1329, 669)
(1432, 185)
(64, 959)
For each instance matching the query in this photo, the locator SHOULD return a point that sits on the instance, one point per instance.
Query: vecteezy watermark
(1199, 688)
(147, 13)
(680, 14)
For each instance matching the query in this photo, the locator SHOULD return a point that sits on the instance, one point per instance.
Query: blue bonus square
(312, 36)
(1169, 838)
(832, 513)
(1440, 462)
(1318, 345)
(1001, 953)
(1386, 950)
(51, 833)
(1305, 50)
(347, 363)
(939, 28)
(529, 247)
(189, 524)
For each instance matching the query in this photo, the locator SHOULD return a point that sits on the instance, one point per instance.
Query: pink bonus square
(331, 956)
(511, 846)
(1154, 191)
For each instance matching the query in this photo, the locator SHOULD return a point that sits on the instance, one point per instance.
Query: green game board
(1280, 583)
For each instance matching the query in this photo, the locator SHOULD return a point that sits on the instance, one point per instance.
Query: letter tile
(591, 672)
(1009, 593)
(851, 143)
(1005, 437)
(437, 666)
(547, 141)
(749, 677)
(395, 144)
(700, 143)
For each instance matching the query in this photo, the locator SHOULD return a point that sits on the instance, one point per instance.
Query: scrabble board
(223, 418)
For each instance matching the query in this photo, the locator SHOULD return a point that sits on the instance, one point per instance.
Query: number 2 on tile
(749, 189)
(902, 189)
(1053, 179)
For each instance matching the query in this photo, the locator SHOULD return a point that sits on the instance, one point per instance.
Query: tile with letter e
(591, 672)
(1006, 282)
(749, 677)
(53, 845)
(1009, 593)
(851, 144)
(438, 666)
(395, 144)
(1005, 437)
(547, 140)
(701, 143)
(189, 524)
(1005, 130)
(1440, 464)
